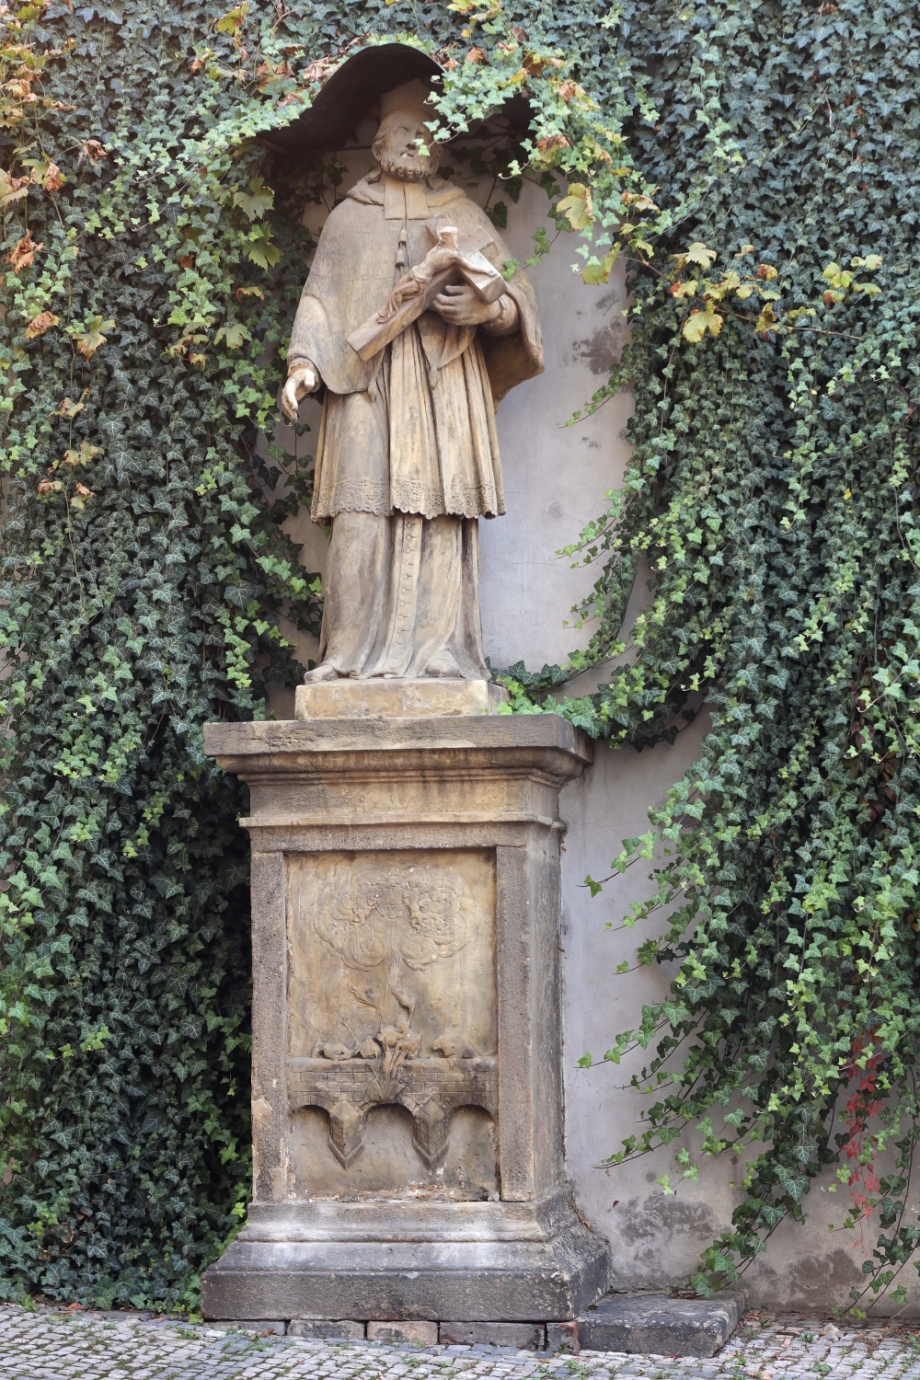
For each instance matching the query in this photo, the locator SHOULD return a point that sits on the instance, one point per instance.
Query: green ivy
(747, 157)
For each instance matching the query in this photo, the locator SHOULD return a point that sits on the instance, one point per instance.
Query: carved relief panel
(392, 1023)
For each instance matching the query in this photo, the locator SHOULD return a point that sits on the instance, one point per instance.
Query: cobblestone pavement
(48, 1345)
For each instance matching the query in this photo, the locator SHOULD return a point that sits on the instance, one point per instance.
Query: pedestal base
(407, 1089)
(498, 1262)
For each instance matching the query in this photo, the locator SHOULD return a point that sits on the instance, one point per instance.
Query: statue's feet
(444, 664)
(324, 672)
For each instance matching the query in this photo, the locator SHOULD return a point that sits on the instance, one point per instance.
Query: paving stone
(419, 1333)
(50, 1345)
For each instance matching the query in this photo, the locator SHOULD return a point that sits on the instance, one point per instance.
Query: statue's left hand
(460, 305)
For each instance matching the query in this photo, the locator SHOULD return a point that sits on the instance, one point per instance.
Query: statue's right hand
(300, 382)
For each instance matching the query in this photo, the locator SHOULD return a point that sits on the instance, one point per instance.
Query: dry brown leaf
(41, 323)
(53, 179)
(22, 255)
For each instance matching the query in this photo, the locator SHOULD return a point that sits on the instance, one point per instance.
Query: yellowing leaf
(12, 188)
(699, 322)
(577, 206)
(69, 409)
(687, 289)
(766, 320)
(83, 456)
(716, 291)
(91, 338)
(699, 254)
(231, 22)
(232, 334)
(599, 272)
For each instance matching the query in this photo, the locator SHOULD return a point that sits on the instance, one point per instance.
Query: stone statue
(414, 337)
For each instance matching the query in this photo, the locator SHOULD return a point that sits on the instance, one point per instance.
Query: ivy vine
(746, 157)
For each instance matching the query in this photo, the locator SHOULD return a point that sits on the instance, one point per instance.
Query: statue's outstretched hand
(460, 305)
(300, 382)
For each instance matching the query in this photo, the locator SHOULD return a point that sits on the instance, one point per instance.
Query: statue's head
(403, 134)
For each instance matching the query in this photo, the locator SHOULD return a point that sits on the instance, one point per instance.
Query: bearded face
(396, 147)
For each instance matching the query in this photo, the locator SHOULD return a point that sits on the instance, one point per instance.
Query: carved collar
(404, 200)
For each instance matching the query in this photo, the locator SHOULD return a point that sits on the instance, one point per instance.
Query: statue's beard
(415, 170)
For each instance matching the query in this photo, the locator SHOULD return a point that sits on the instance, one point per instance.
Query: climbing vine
(746, 158)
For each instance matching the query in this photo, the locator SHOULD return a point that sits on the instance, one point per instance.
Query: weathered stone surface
(424, 1267)
(407, 1104)
(271, 1327)
(563, 1337)
(418, 1333)
(659, 1324)
(345, 1328)
(392, 1038)
(523, 1336)
(396, 699)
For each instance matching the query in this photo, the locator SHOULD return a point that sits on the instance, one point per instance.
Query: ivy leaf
(12, 189)
(69, 409)
(91, 338)
(83, 456)
(23, 253)
(233, 335)
(256, 202)
(699, 254)
(261, 249)
(41, 323)
(498, 215)
(698, 323)
(598, 271)
(577, 206)
(231, 22)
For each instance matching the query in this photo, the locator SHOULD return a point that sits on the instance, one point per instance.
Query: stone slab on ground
(563, 1337)
(657, 1324)
(346, 1329)
(415, 1333)
(521, 1336)
(261, 1326)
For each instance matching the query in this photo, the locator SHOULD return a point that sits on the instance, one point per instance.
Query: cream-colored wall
(555, 480)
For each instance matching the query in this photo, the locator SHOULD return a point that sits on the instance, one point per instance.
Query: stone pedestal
(406, 1086)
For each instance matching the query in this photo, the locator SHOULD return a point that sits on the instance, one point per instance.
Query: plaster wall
(555, 481)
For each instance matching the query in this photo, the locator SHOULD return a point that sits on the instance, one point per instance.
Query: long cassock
(407, 458)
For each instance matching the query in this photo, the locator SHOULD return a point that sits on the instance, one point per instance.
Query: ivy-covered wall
(747, 159)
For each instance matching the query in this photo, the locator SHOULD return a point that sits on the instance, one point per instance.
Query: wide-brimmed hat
(350, 92)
